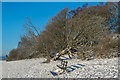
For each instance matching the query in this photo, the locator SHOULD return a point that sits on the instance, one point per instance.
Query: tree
(113, 18)
(80, 28)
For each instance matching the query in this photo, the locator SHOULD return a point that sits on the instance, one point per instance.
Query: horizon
(38, 12)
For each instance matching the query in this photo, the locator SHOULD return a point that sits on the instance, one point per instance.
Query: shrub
(107, 47)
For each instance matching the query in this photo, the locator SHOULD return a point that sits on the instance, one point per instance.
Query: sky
(0, 29)
(14, 13)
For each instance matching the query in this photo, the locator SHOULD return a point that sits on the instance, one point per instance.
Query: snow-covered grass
(34, 68)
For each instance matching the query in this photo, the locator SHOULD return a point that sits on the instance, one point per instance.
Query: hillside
(88, 30)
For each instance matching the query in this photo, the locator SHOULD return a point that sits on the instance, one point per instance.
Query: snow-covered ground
(34, 68)
(0, 70)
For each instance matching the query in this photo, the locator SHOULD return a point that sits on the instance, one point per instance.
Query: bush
(107, 47)
(13, 55)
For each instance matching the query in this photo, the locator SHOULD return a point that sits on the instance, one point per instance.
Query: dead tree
(68, 49)
(65, 51)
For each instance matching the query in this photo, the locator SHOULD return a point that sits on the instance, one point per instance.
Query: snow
(34, 68)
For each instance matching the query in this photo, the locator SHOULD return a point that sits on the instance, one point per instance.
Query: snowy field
(34, 68)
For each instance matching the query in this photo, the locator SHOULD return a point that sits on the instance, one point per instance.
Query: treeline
(89, 30)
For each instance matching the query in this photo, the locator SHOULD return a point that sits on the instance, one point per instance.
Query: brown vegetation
(86, 29)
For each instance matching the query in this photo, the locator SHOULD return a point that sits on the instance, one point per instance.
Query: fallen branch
(63, 52)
